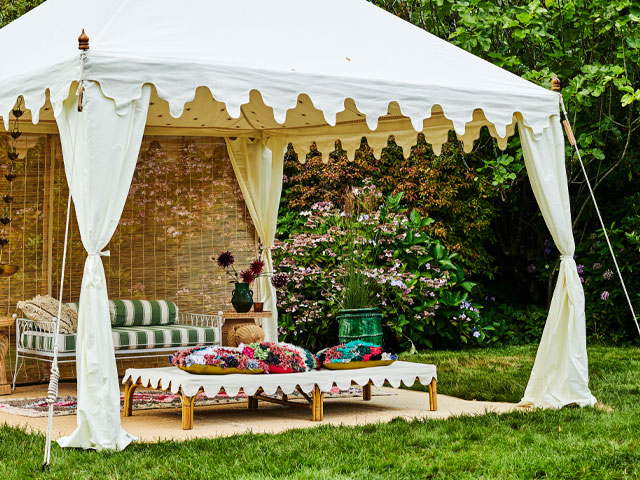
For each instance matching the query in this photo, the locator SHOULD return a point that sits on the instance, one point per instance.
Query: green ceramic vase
(242, 299)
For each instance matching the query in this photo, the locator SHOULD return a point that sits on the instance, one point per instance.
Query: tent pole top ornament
(556, 84)
(83, 41)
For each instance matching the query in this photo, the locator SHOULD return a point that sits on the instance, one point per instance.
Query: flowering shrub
(420, 290)
(607, 313)
(608, 316)
(445, 188)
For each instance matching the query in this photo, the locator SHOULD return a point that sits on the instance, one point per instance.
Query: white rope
(595, 204)
(54, 378)
(55, 371)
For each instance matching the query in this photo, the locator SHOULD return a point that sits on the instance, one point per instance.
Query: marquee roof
(299, 65)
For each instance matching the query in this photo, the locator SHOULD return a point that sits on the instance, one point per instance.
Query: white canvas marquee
(261, 74)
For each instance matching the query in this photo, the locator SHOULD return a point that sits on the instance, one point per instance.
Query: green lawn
(572, 443)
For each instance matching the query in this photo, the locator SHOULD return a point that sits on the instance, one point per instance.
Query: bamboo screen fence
(183, 207)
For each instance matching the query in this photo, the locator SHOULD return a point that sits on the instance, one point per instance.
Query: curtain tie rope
(566, 257)
(106, 253)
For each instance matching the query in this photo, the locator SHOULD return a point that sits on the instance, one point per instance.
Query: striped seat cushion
(43, 341)
(155, 336)
(131, 338)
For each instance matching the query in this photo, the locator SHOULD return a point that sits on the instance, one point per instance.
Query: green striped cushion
(44, 341)
(131, 338)
(130, 313)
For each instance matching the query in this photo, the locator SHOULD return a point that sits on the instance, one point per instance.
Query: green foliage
(415, 280)
(12, 9)
(593, 47)
(511, 324)
(607, 313)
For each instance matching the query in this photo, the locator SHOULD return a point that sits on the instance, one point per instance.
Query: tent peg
(556, 84)
(83, 41)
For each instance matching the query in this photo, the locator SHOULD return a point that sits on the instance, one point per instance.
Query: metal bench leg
(433, 395)
(317, 407)
(16, 368)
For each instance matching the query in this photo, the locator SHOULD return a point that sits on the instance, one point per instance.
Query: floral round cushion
(264, 357)
(281, 357)
(215, 360)
(355, 354)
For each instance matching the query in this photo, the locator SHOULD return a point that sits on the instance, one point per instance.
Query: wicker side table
(5, 324)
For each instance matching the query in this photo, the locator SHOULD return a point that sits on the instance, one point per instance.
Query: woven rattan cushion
(247, 333)
(44, 308)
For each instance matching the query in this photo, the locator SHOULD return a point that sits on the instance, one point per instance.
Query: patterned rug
(147, 400)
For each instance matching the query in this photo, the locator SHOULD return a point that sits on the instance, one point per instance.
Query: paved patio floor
(226, 420)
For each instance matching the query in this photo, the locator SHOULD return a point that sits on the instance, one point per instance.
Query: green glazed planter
(363, 324)
(242, 299)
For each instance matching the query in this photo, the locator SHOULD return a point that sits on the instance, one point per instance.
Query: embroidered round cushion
(215, 360)
(212, 370)
(355, 354)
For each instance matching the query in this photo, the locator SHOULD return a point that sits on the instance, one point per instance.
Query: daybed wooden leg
(5, 388)
(187, 411)
(317, 407)
(433, 395)
(366, 392)
(253, 403)
(129, 388)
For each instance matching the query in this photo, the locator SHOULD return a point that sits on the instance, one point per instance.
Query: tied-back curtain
(560, 374)
(100, 149)
(259, 174)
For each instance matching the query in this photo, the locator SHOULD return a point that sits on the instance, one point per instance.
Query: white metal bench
(35, 341)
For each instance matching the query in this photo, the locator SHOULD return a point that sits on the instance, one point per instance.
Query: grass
(570, 443)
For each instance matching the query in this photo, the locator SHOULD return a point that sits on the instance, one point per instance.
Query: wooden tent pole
(47, 215)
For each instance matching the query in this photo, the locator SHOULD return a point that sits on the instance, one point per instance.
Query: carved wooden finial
(83, 41)
(556, 85)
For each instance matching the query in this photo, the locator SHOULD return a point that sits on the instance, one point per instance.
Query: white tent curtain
(560, 374)
(100, 149)
(259, 174)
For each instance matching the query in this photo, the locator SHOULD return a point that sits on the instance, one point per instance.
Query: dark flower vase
(242, 299)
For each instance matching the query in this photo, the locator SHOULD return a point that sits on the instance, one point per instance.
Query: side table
(231, 318)
(5, 324)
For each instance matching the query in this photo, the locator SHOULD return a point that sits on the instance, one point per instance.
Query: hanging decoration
(6, 270)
